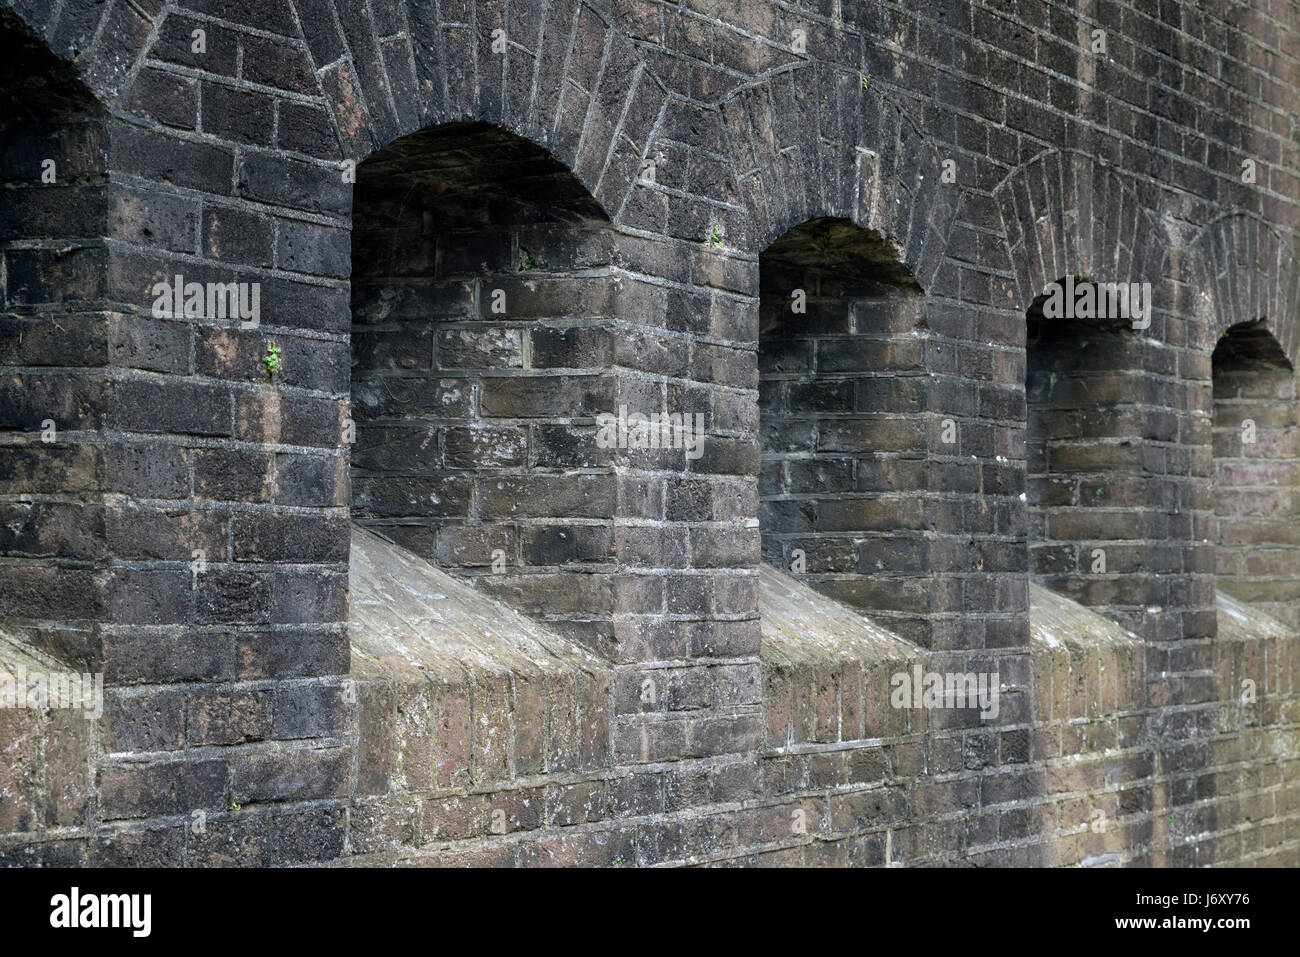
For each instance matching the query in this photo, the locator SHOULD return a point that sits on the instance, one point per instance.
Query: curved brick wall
(644, 181)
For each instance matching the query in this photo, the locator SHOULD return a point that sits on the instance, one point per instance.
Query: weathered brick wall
(988, 147)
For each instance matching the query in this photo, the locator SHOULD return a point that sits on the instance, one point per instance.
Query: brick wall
(671, 170)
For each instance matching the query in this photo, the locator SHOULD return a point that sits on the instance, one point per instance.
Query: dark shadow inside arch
(481, 289)
(1256, 424)
(495, 176)
(35, 84)
(1249, 347)
(841, 398)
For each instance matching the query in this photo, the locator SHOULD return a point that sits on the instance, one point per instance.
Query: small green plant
(235, 805)
(862, 78)
(272, 359)
(715, 237)
(618, 861)
(824, 239)
(528, 263)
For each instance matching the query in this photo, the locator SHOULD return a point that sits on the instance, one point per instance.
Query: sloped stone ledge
(472, 720)
(1085, 665)
(826, 667)
(45, 769)
(1253, 646)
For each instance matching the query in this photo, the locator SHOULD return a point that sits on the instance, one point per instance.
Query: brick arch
(1055, 224)
(393, 68)
(592, 105)
(1244, 271)
(873, 166)
(1088, 431)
